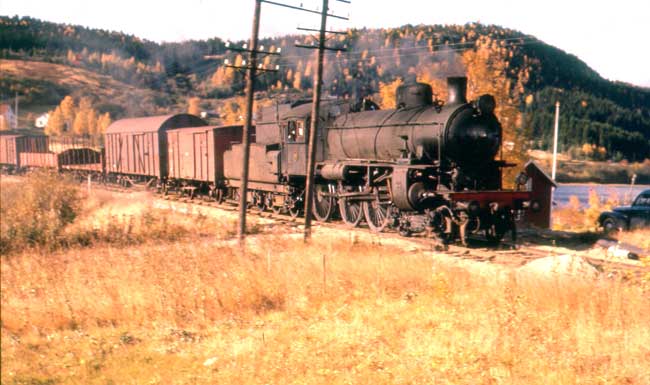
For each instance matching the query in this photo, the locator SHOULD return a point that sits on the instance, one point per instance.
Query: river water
(625, 193)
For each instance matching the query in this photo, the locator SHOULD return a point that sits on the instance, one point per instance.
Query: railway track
(506, 254)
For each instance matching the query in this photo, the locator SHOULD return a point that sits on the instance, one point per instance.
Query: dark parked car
(628, 217)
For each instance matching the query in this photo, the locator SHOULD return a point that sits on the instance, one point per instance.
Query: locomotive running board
(504, 198)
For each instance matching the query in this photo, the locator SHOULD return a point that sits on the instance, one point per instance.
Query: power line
(425, 47)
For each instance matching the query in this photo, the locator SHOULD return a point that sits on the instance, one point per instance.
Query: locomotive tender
(426, 165)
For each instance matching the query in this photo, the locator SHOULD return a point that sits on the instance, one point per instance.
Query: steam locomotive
(426, 165)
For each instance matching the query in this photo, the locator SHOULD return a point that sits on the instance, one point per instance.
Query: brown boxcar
(13, 143)
(197, 153)
(138, 147)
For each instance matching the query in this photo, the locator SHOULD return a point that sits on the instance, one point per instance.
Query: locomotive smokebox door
(541, 187)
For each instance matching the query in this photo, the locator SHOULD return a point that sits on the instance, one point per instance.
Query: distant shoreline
(603, 184)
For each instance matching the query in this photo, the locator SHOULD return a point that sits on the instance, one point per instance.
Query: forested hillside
(600, 119)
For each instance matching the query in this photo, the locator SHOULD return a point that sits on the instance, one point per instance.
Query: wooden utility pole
(16, 121)
(555, 134)
(250, 83)
(315, 111)
(314, 131)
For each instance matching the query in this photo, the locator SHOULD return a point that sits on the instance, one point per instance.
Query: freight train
(426, 165)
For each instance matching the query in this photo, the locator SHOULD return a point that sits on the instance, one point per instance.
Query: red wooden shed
(541, 185)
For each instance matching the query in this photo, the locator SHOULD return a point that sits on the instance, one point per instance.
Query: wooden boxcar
(138, 147)
(197, 153)
(13, 143)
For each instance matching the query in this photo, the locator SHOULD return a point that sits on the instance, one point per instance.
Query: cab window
(296, 131)
(643, 200)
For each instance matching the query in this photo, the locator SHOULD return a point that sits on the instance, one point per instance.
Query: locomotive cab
(294, 149)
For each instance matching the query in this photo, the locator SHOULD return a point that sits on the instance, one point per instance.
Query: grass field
(196, 309)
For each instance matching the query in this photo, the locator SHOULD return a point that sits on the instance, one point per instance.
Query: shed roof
(531, 165)
(155, 123)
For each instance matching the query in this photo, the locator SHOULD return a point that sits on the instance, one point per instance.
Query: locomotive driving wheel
(323, 205)
(378, 212)
(351, 210)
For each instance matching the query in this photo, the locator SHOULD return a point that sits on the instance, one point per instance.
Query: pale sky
(612, 37)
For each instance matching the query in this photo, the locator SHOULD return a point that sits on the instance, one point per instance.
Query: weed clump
(35, 213)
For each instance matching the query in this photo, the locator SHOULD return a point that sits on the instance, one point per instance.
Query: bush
(34, 213)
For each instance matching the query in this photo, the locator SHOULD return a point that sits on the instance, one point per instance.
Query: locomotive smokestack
(457, 90)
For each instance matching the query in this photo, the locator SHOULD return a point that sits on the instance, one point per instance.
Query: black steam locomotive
(426, 165)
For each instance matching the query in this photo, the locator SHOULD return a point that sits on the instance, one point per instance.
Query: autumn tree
(222, 77)
(68, 112)
(297, 80)
(388, 92)
(80, 123)
(55, 123)
(487, 71)
(232, 110)
(103, 122)
(194, 107)
(80, 120)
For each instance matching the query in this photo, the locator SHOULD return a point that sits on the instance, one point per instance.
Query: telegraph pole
(315, 112)
(251, 68)
(555, 133)
(16, 122)
(250, 82)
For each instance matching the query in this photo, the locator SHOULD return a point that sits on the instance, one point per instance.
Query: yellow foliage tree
(80, 123)
(91, 122)
(487, 68)
(222, 77)
(233, 110)
(194, 107)
(103, 122)
(68, 111)
(297, 80)
(387, 93)
(55, 123)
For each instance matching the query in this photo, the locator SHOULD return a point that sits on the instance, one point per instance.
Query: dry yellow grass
(157, 313)
(196, 310)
